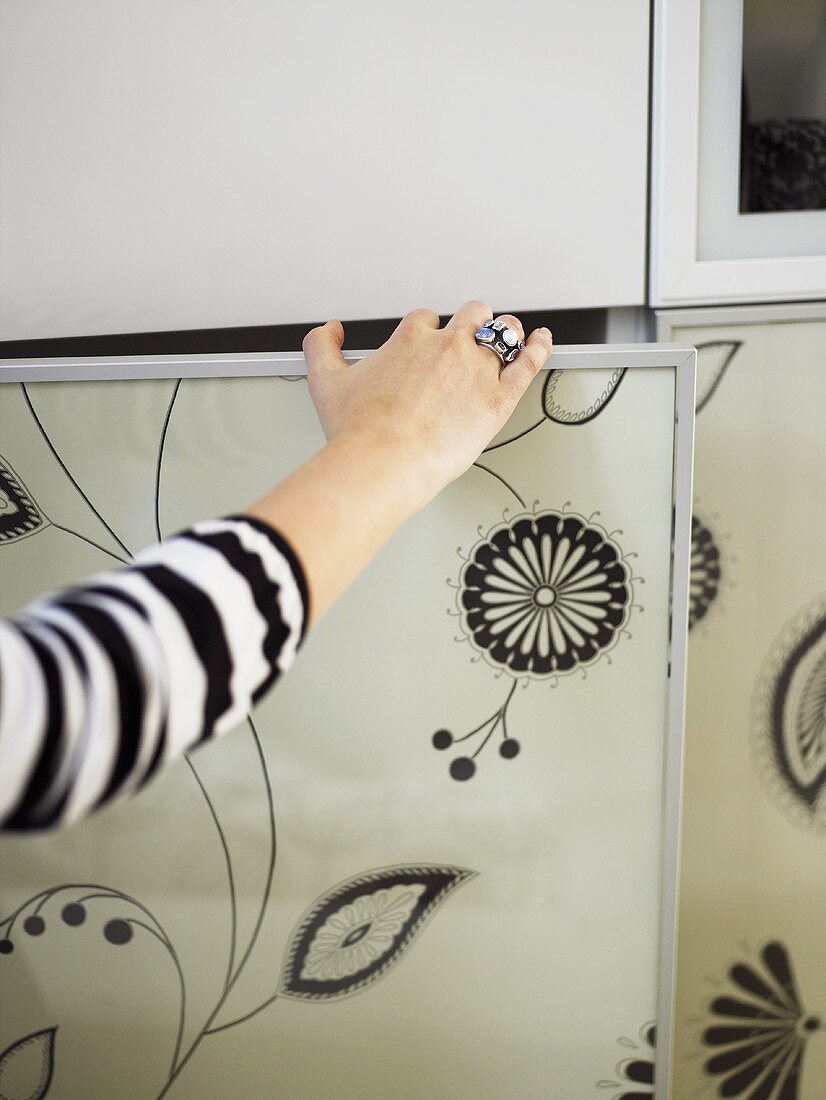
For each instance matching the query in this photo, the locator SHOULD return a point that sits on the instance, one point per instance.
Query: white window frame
(677, 276)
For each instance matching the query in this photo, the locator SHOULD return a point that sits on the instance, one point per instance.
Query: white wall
(187, 163)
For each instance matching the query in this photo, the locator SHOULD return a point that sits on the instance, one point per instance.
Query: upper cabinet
(738, 151)
(211, 163)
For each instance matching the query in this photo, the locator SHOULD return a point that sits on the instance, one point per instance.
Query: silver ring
(500, 338)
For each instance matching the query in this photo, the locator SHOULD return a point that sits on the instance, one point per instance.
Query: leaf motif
(577, 396)
(19, 515)
(712, 360)
(354, 934)
(800, 714)
(26, 1067)
(811, 717)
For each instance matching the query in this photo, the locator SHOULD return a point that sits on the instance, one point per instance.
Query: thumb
(322, 347)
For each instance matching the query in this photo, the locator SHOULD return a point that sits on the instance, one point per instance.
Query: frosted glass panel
(429, 863)
(750, 946)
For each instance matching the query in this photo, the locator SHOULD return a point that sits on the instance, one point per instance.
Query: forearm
(338, 509)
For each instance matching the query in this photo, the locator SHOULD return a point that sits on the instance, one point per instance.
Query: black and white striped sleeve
(103, 682)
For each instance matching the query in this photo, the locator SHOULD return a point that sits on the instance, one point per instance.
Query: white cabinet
(738, 220)
(230, 162)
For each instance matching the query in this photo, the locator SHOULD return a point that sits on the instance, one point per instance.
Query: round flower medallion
(544, 594)
(705, 572)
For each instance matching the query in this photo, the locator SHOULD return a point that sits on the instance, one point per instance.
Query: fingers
(322, 347)
(470, 316)
(426, 318)
(513, 322)
(517, 376)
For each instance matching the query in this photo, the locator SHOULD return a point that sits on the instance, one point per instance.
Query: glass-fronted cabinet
(783, 109)
(739, 151)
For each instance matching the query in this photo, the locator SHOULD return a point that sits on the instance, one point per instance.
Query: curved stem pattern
(161, 445)
(233, 905)
(513, 438)
(499, 477)
(66, 470)
(97, 546)
(265, 897)
(182, 984)
(233, 971)
(242, 1019)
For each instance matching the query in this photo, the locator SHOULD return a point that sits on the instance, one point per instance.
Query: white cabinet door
(738, 178)
(232, 162)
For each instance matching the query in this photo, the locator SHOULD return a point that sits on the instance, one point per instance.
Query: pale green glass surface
(523, 979)
(752, 856)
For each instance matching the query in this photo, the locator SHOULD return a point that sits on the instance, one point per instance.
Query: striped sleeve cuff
(242, 596)
(106, 680)
(284, 548)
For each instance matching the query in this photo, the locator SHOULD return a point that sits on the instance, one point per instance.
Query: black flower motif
(543, 594)
(636, 1074)
(351, 936)
(790, 713)
(705, 571)
(27, 1066)
(761, 1029)
(19, 515)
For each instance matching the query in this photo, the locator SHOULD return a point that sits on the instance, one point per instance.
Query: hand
(428, 395)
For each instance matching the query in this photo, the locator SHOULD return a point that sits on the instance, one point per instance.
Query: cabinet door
(738, 151)
(751, 975)
(229, 162)
(465, 768)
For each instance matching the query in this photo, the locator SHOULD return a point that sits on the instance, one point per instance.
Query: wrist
(397, 462)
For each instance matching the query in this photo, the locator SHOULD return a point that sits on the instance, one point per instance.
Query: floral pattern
(713, 359)
(760, 1030)
(544, 594)
(359, 933)
(19, 515)
(27, 1066)
(352, 935)
(349, 938)
(541, 595)
(790, 716)
(635, 1075)
(706, 572)
(576, 397)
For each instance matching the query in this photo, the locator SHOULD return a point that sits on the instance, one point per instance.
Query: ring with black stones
(500, 338)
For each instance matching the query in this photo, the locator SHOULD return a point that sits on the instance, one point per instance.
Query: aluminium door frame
(679, 358)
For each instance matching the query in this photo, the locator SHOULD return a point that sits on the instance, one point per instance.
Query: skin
(401, 424)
